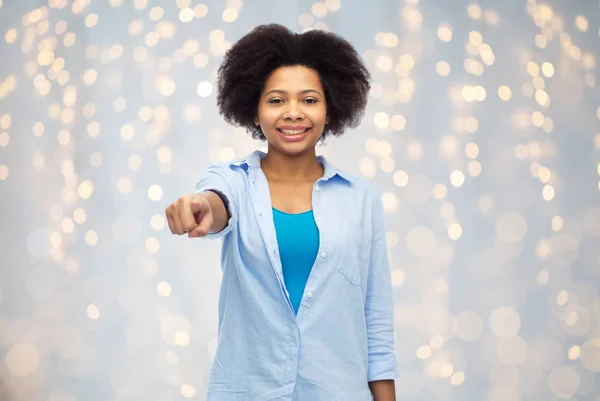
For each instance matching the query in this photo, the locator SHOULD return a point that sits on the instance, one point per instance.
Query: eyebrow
(302, 92)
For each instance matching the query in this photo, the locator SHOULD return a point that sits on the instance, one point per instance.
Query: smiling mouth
(292, 132)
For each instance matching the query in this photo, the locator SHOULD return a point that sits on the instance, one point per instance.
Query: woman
(305, 308)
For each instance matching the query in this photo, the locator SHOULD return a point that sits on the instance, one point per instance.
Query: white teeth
(294, 132)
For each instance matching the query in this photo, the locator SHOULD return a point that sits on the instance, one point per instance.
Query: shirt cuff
(212, 181)
(383, 369)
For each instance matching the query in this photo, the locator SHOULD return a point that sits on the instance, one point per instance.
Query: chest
(291, 197)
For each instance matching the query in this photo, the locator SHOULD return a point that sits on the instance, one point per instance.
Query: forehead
(293, 78)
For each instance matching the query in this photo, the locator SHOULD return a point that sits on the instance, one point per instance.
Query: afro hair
(249, 62)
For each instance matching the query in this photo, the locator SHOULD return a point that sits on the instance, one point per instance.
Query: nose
(293, 112)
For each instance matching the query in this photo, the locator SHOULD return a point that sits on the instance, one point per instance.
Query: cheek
(267, 117)
(319, 116)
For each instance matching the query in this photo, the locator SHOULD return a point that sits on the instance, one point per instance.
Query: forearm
(383, 390)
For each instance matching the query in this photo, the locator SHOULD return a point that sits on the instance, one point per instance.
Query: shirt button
(317, 188)
(320, 218)
(309, 294)
(323, 254)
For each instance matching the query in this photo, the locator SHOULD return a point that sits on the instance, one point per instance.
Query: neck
(292, 168)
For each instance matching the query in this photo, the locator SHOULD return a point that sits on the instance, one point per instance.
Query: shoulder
(235, 167)
(362, 186)
(231, 173)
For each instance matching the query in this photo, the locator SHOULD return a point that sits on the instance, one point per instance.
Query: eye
(275, 101)
(311, 101)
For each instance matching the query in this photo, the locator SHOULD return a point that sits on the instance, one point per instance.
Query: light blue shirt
(343, 335)
(298, 242)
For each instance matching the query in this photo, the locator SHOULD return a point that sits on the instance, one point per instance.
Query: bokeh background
(482, 132)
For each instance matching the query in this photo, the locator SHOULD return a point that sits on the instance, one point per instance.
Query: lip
(295, 138)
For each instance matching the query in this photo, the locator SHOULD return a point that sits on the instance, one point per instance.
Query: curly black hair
(249, 62)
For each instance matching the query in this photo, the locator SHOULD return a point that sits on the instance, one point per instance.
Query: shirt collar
(253, 160)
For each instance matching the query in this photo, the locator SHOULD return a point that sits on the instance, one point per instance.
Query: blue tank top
(298, 241)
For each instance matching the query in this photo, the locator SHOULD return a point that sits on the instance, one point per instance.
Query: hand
(190, 214)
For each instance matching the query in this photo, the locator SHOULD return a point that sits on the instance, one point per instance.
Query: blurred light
(230, 15)
(420, 241)
(457, 178)
(155, 193)
(333, 5)
(474, 168)
(384, 63)
(135, 27)
(582, 23)
(398, 122)
(200, 10)
(91, 20)
(533, 69)
(140, 4)
(474, 11)
(10, 36)
(548, 192)
(3, 172)
(475, 38)
(548, 69)
(156, 13)
(442, 68)
(504, 92)
(127, 132)
(367, 167)
(86, 188)
(445, 33)
(505, 322)
(152, 245)
(188, 391)
(454, 231)
(164, 289)
(381, 120)
(204, 89)
(400, 178)
(181, 338)
(440, 191)
(22, 359)
(91, 237)
(414, 150)
(93, 312)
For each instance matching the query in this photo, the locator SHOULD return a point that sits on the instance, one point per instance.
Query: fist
(190, 214)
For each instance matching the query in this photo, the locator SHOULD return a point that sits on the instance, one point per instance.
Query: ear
(256, 121)
(327, 119)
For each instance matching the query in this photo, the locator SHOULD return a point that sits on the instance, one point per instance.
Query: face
(292, 111)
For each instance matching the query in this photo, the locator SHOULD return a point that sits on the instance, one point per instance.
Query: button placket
(262, 211)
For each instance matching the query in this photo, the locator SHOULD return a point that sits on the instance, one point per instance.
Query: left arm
(379, 314)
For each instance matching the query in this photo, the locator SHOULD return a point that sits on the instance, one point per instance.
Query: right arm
(211, 210)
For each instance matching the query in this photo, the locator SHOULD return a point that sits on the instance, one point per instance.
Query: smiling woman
(306, 308)
(249, 65)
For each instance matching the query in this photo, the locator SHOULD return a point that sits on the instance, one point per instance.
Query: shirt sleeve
(379, 304)
(220, 179)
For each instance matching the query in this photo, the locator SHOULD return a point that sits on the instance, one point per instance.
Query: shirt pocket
(354, 252)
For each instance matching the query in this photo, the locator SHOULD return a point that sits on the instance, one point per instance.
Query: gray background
(482, 131)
